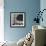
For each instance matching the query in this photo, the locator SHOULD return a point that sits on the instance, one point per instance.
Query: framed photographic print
(17, 19)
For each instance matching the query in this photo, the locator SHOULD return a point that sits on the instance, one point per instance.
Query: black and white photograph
(17, 19)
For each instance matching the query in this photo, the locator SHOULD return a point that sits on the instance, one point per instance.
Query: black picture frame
(17, 19)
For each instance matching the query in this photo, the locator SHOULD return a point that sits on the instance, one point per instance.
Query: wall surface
(28, 6)
(43, 6)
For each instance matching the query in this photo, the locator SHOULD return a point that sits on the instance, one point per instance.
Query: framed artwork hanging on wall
(17, 19)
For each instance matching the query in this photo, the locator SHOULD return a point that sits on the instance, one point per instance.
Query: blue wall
(43, 6)
(28, 6)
